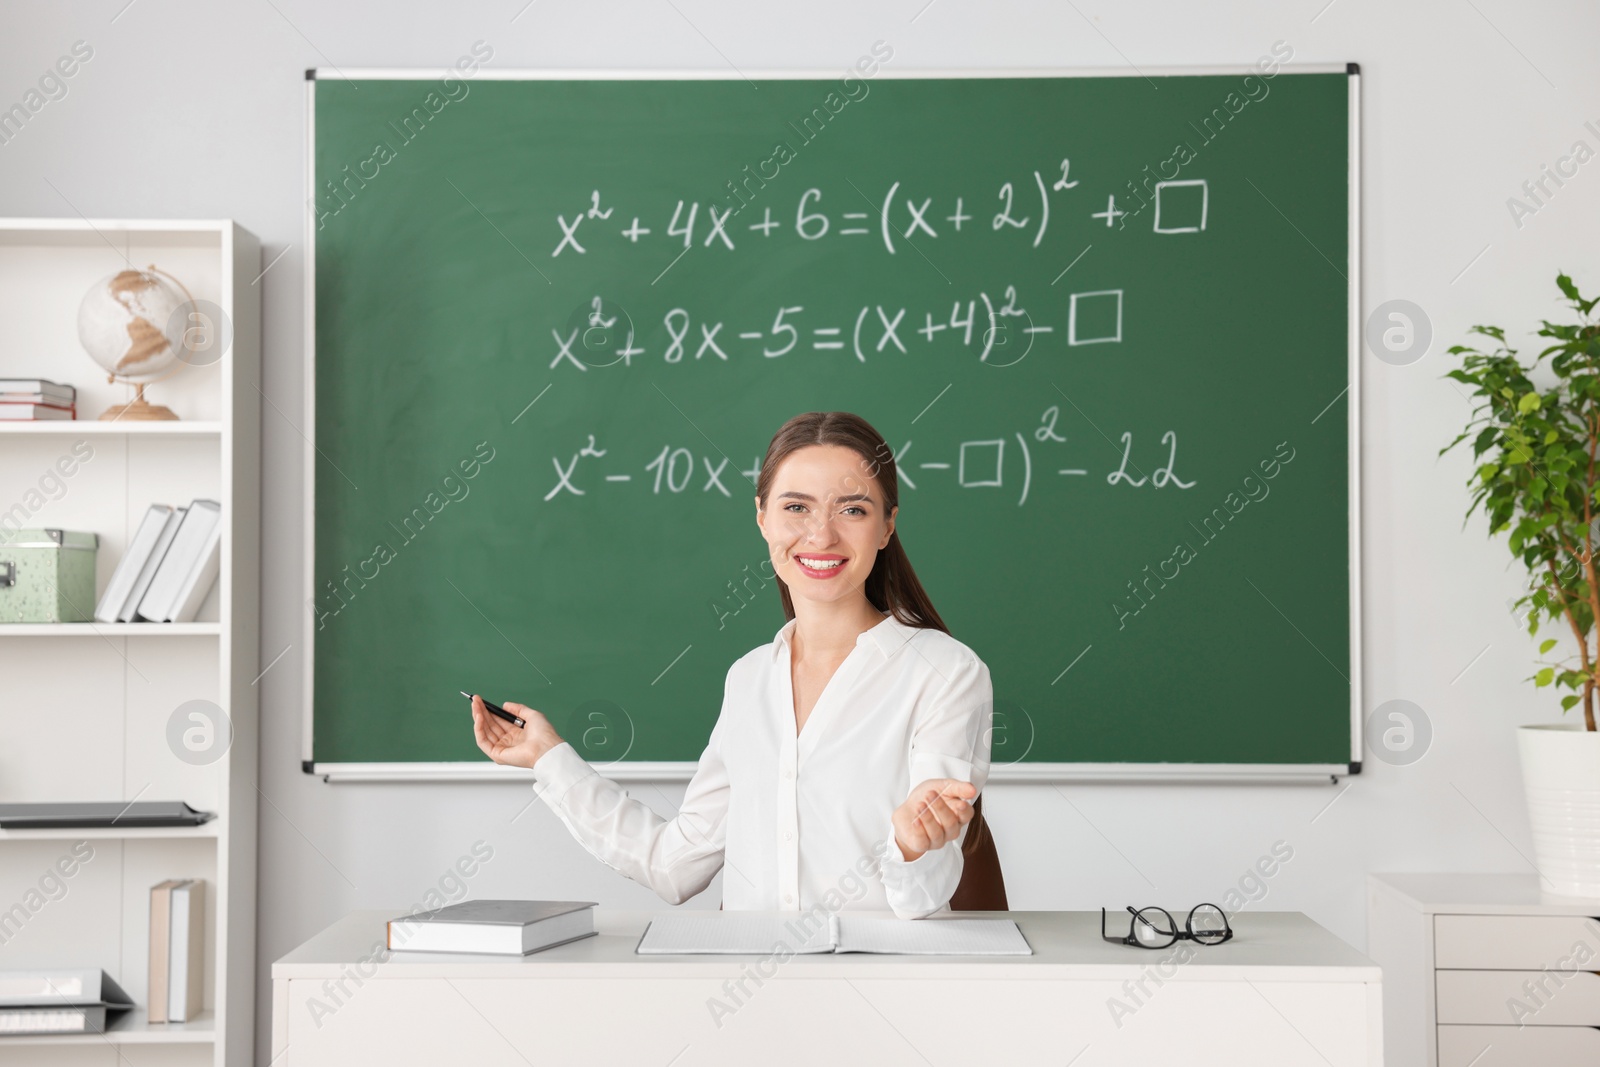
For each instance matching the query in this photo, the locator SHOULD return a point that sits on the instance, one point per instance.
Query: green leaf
(1544, 649)
(1544, 677)
(1568, 702)
(1529, 402)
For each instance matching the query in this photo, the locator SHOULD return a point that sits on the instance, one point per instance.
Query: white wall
(195, 109)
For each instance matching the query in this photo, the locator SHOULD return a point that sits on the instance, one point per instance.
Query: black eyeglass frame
(1186, 934)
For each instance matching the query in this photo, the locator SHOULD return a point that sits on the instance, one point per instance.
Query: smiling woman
(858, 737)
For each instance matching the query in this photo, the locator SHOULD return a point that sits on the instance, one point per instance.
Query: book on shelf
(145, 548)
(188, 568)
(498, 927)
(12, 410)
(160, 938)
(59, 1001)
(186, 952)
(49, 392)
(36, 400)
(151, 563)
(177, 950)
(169, 567)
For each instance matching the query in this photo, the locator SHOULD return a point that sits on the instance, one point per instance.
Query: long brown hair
(892, 586)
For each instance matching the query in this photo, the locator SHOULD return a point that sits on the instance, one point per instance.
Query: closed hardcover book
(160, 942)
(186, 973)
(152, 563)
(202, 576)
(52, 392)
(123, 579)
(496, 927)
(24, 411)
(187, 551)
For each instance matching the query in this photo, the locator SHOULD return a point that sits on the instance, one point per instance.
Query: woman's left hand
(933, 816)
(508, 744)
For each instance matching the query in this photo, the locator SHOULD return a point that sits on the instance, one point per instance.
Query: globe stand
(139, 410)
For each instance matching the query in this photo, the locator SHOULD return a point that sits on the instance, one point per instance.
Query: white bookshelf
(84, 707)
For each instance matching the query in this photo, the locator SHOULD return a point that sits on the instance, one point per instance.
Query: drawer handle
(8, 574)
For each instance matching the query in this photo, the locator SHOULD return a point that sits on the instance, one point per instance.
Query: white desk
(1284, 993)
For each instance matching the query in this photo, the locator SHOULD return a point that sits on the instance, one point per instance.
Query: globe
(131, 324)
(123, 324)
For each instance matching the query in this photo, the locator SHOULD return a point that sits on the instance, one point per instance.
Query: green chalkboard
(1104, 322)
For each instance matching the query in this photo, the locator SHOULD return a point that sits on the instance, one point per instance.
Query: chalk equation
(1001, 329)
(1020, 208)
(978, 464)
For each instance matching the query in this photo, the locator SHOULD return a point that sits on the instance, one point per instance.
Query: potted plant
(1536, 479)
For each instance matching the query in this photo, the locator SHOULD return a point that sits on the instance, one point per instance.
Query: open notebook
(761, 933)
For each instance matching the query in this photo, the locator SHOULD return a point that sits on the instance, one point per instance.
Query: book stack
(177, 951)
(36, 399)
(58, 1002)
(169, 567)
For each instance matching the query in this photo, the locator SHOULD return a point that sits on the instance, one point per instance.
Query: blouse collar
(888, 636)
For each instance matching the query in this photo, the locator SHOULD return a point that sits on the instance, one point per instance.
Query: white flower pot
(1561, 774)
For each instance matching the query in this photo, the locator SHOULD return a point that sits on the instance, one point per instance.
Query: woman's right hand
(508, 744)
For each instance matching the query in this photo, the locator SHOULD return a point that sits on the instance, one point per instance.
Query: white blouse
(803, 821)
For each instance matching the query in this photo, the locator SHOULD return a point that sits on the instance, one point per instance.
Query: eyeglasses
(1155, 928)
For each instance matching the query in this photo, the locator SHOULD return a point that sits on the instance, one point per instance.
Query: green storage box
(47, 576)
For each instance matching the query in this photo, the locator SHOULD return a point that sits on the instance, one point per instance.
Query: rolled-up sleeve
(950, 739)
(676, 857)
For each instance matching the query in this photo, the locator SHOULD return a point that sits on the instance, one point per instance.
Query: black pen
(496, 709)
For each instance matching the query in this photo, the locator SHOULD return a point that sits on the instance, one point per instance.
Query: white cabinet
(1483, 969)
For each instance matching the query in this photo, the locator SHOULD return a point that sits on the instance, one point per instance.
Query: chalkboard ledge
(669, 771)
